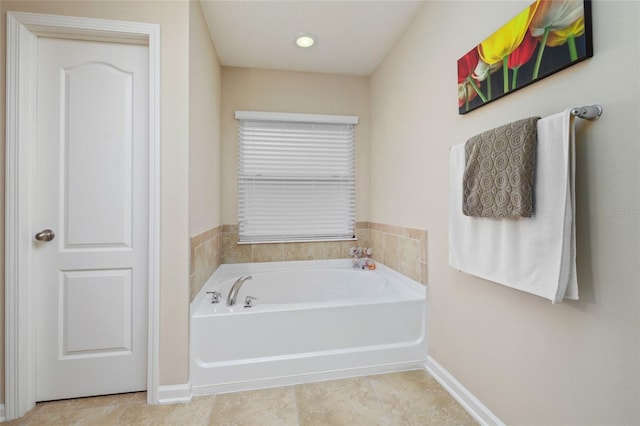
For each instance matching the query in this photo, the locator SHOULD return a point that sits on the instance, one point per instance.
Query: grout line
(387, 418)
(295, 404)
(213, 408)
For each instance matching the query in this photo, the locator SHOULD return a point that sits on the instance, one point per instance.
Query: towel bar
(589, 112)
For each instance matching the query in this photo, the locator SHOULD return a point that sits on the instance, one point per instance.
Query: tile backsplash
(402, 249)
(206, 255)
(232, 252)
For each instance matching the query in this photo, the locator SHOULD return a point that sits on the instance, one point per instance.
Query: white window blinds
(296, 177)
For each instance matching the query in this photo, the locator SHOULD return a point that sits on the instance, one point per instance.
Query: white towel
(538, 254)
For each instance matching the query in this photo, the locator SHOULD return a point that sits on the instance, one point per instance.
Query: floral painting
(546, 37)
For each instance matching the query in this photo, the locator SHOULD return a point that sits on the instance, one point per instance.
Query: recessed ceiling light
(305, 40)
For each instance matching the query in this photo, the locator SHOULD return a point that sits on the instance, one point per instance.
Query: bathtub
(310, 321)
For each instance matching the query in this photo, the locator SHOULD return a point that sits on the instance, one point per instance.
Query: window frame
(345, 183)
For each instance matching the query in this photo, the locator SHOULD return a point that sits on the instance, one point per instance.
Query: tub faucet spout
(233, 294)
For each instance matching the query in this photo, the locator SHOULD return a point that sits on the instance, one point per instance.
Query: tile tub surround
(406, 398)
(402, 249)
(232, 252)
(206, 249)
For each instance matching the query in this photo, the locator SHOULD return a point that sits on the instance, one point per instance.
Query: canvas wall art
(546, 37)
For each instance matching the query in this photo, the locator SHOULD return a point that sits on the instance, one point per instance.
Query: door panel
(92, 301)
(91, 190)
(97, 137)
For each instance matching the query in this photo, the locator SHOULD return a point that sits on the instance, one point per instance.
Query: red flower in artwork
(468, 84)
(467, 64)
(523, 52)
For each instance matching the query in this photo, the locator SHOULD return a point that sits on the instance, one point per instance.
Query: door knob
(45, 235)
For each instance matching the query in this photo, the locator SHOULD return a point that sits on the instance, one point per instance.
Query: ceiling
(353, 36)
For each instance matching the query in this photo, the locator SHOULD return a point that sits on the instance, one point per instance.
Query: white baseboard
(174, 394)
(469, 402)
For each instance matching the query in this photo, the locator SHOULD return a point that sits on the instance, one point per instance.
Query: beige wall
(281, 91)
(173, 16)
(205, 92)
(529, 361)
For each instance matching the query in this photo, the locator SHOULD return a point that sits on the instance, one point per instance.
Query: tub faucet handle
(248, 301)
(215, 296)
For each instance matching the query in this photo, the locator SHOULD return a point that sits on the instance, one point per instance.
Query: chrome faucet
(233, 293)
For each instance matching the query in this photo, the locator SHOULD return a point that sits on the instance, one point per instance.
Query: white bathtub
(312, 320)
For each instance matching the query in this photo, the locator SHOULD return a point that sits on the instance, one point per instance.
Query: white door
(91, 167)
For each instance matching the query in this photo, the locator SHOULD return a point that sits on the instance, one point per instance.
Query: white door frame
(23, 30)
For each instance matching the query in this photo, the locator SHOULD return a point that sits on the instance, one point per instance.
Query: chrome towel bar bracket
(589, 112)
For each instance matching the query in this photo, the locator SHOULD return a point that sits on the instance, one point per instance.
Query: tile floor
(407, 398)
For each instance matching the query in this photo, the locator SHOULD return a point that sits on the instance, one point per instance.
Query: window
(296, 177)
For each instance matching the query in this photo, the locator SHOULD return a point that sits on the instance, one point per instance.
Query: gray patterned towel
(498, 174)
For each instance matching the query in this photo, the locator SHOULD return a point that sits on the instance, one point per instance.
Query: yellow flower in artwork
(500, 44)
(560, 37)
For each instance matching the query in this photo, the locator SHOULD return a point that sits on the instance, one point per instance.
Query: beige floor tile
(399, 399)
(145, 414)
(94, 416)
(261, 407)
(195, 413)
(415, 398)
(340, 402)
